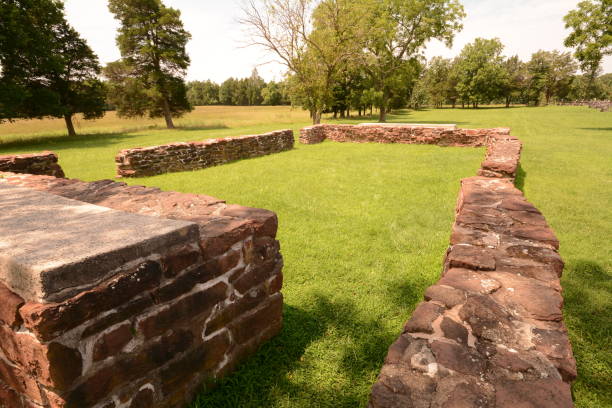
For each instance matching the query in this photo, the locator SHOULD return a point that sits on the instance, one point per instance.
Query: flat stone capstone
(52, 247)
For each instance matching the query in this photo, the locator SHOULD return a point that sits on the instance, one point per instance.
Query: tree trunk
(316, 118)
(382, 117)
(507, 101)
(69, 125)
(168, 115)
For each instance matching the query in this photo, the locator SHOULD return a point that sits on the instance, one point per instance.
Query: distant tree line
(481, 75)
(251, 91)
(346, 55)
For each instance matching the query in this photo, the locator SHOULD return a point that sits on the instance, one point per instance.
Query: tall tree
(398, 31)
(551, 73)
(312, 40)
(152, 42)
(47, 68)
(202, 93)
(436, 80)
(481, 73)
(591, 36)
(255, 84)
(514, 80)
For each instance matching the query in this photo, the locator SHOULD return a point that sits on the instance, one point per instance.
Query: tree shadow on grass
(521, 175)
(93, 139)
(268, 374)
(587, 291)
(192, 128)
(82, 140)
(608, 129)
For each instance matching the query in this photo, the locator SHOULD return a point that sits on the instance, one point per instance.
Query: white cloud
(217, 52)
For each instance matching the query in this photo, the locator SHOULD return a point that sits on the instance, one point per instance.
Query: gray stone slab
(52, 247)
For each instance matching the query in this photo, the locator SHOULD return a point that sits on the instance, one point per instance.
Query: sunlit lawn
(363, 229)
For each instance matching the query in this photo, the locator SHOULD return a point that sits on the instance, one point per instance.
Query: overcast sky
(217, 52)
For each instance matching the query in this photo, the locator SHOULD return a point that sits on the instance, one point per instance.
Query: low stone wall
(502, 158)
(132, 308)
(602, 106)
(441, 135)
(44, 163)
(490, 332)
(149, 161)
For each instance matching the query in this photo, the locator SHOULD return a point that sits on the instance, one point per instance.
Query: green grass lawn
(364, 227)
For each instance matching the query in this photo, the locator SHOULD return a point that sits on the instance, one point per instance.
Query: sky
(217, 48)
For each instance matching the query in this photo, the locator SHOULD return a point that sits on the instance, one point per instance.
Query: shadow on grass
(587, 290)
(608, 129)
(191, 128)
(521, 175)
(94, 139)
(82, 140)
(275, 369)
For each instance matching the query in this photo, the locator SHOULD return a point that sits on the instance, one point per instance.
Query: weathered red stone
(422, 318)
(144, 399)
(9, 306)
(112, 342)
(48, 320)
(44, 163)
(173, 157)
(179, 317)
(446, 295)
(176, 262)
(549, 393)
(196, 305)
(254, 322)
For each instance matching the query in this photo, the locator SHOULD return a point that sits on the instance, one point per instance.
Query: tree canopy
(47, 68)
(591, 35)
(152, 42)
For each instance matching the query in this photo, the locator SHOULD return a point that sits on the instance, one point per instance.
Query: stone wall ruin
(489, 333)
(441, 135)
(125, 296)
(44, 163)
(150, 161)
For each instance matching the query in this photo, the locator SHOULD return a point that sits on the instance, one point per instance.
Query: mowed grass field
(364, 227)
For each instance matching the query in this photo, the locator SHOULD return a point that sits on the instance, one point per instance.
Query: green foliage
(275, 93)
(550, 75)
(242, 92)
(47, 69)
(200, 93)
(437, 81)
(514, 81)
(481, 72)
(398, 31)
(152, 42)
(591, 36)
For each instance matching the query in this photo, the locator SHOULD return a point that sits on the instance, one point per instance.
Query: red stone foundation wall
(502, 158)
(490, 332)
(163, 325)
(438, 135)
(44, 163)
(149, 161)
